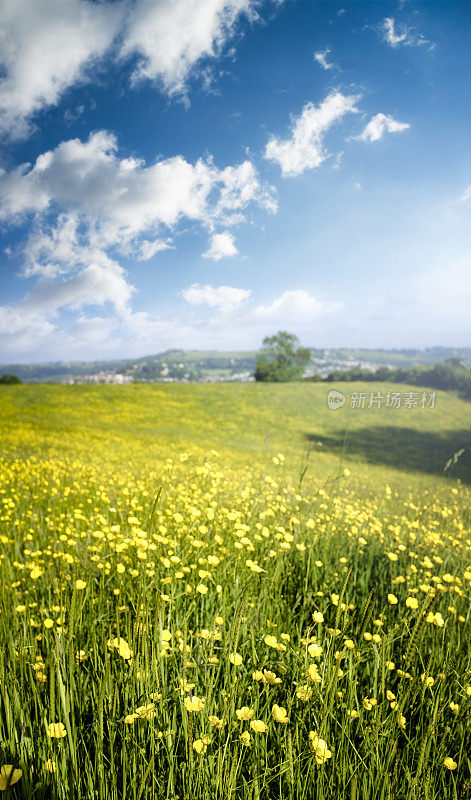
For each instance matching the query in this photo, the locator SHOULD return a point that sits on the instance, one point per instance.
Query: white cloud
(294, 305)
(148, 249)
(86, 206)
(124, 197)
(222, 245)
(171, 37)
(96, 284)
(401, 35)
(379, 125)
(222, 316)
(321, 58)
(304, 149)
(85, 200)
(45, 48)
(225, 298)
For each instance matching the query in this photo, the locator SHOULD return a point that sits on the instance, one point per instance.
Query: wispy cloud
(399, 35)
(466, 195)
(304, 149)
(321, 58)
(379, 125)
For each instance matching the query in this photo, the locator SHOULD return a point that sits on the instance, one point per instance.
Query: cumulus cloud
(123, 196)
(221, 316)
(222, 245)
(86, 206)
(379, 125)
(49, 47)
(304, 149)
(293, 305)
(400, 35)
(321, 58)
(170, 37)
(85, 201)
(219, 297)
(45, 48)
(96, 284)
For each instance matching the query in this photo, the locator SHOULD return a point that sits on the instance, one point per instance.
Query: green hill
(245, 423)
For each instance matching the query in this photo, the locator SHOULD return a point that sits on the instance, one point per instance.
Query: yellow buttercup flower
(79, 585)
(319, 748)
(200, 746)
(270, 677)
(122, 647)
(236, 659)
(216, 722)
(304, 693)
(146, 712)
(449, 763)
(312, 672)
(194, 704)
(80, 655)
(8, 776)
(279, 714)
(258, 726)
(56, 730)
(244, 713)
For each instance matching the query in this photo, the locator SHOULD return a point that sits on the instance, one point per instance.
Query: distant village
(193, 366)
(180, 373)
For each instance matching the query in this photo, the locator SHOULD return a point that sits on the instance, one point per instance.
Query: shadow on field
(403, 448)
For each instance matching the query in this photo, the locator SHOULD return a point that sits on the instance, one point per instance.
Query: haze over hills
(213, 365)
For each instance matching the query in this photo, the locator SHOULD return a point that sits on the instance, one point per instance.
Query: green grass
(245, 423)
(206, 559)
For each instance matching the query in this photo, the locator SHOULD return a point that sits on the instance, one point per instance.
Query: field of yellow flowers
(189, 626)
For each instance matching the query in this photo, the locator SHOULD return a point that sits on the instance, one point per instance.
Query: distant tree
(281, 358)
(8, 379)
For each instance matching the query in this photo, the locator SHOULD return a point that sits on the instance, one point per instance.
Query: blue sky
(201, 173)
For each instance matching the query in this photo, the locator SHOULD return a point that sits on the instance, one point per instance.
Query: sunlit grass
(188, 627)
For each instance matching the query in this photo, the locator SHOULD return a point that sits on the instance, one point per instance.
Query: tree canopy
(281, 358)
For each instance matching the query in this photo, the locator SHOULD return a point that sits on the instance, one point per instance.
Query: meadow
(232, 591)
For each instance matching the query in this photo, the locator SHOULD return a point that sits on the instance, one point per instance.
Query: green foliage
(281, 359)
(9, 379)
(447, 375)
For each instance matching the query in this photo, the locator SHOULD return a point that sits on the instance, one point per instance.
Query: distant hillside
(214, 365)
